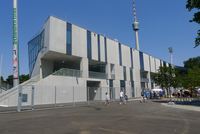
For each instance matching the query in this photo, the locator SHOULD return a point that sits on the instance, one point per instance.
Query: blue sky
(163, 24)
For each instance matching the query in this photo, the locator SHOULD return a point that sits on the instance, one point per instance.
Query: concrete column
(149, 77)
(84, 67)
(108, 71)
(137, 82)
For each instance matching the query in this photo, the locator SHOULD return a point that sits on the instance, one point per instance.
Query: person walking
(107, 98)
(121, 94)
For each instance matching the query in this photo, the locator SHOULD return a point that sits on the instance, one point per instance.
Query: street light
(171, 55)
(171, 62)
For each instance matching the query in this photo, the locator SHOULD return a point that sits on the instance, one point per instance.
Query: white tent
(156, 90)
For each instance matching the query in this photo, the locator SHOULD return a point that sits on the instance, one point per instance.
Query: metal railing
(68, 72)
(98, 75)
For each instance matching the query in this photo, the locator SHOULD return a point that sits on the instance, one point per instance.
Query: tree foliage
(195, 5)
(22, 78)
(166, 78)
(192, 63)
(191, 79)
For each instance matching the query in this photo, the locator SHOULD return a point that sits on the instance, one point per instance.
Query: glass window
(99, 52)
(34, 47)
(120, 55)
(141, 61)
(131, 52)
(105, 43)
(69, 39)
(89, 45)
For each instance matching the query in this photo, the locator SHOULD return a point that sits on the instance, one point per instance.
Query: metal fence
(30, 97)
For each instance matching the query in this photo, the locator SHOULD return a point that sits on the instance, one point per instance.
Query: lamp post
(171, 62)
(171, 55)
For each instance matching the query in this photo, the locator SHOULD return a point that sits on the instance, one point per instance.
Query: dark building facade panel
(105, 43)
(99, 49)
(141, 61)
(89, 45)
(69, 39)
(120, 54)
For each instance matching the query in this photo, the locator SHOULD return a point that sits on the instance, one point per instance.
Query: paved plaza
(132, 118)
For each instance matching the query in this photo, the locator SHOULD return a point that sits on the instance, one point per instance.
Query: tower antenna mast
(136, 26)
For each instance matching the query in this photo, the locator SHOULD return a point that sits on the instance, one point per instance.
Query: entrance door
(93, 90)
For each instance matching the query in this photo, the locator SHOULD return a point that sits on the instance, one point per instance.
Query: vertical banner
(15, 45)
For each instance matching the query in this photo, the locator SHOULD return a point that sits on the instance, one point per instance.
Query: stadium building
(68, 59)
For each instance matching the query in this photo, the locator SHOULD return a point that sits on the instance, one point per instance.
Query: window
(99, 52)
(105, 43)
(120, 55)
(34, 47)
(124, 73)
(131, 74)
(131, 52)
(89, 45)
(141, 61)
(69, 39)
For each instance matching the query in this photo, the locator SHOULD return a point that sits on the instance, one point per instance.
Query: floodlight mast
(15, 45)
(136, 27)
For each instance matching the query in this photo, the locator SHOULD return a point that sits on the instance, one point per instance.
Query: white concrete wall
(63, 86)
(137, 81)
(157, 64)
(146, 62)
(79, 41)
(126, 56)
(112, 51)
(128, 89)
(57, 36)
(152, 61)
(116, 84)
(119, 75)
(102, 48)
(94, 40)
(128, 74)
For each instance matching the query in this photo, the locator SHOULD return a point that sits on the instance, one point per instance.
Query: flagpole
(15, 45)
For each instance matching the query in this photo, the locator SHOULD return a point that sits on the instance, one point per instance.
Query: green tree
(22, 78)
(192, 63)
(165, 78)
(191, 79)
(195, 5)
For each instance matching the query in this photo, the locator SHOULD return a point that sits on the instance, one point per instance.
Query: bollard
(55, 91)
(19, 99)
(32, 97)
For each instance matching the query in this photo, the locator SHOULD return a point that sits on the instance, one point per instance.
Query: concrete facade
(66, 56)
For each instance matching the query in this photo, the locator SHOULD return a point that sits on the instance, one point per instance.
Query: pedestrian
(121, 94)
(126, 98)
(107, 98)
(142, 97)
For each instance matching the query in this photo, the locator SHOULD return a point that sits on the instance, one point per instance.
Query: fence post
(88, 97)
(32, 97)
(73, 97)
(19, 99)
(55, 93)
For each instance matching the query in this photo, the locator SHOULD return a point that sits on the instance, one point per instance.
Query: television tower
(136, 27)
(15, 45)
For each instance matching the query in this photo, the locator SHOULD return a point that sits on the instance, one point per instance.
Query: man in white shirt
(121, 94)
